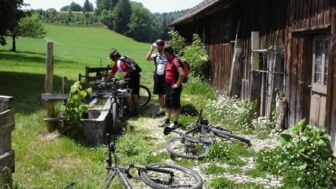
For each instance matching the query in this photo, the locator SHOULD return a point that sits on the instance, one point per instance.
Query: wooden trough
(7, 124)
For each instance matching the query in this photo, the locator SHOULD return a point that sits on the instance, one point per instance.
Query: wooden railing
(7, 124)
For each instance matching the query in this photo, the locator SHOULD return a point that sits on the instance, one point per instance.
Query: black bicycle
(195, 143)
(158, 176)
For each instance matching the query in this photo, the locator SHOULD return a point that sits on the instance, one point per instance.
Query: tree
(107, 18)
(122, 14)
(65, 8)
(75, 7)
(10, 14)
(105, 5)
(87, 7)
(29, 26)
(143, 25)
(113, 4)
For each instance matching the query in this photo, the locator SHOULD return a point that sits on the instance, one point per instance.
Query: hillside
(82, 46)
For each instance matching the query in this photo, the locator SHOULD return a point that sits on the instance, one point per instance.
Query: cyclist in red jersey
(133, 80)
(174, 76)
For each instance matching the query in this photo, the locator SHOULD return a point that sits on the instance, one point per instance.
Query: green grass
(222, 183)
(213, 169)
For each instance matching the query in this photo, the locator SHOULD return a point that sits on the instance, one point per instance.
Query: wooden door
(319, 80)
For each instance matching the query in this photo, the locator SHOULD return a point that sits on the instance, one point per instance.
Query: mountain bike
(158, 176)
(144, 92)
(195, 143)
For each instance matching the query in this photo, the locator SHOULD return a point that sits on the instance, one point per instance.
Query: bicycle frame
(124, 173)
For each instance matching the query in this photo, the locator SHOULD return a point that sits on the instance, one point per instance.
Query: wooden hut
(288, 47)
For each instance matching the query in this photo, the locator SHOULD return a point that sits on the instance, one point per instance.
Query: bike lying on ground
(158, 176)
(195, 143)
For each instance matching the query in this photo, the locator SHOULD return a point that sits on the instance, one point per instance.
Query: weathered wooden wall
(331, 99)
(287, 24)
(6, 153)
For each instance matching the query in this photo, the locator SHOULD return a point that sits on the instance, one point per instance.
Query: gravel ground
(268, 181)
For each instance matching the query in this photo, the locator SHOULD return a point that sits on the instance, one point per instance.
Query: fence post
(49, 83)
(7, 125)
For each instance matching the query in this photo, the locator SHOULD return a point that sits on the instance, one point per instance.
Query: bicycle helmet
(160, 42)
(114, 54)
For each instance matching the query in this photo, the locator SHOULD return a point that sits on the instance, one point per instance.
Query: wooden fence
(7, 123)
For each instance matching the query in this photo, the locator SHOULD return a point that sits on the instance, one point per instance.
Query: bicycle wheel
(182, 147)
(183, 177)
(226, 134)
(144, 96)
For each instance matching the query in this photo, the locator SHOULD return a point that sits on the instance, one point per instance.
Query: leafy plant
(230, 109)
(177, 41)
(74, 109)
(197, 57)
(304, 157)
(228, 153)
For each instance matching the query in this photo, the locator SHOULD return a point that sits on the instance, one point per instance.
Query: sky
(152, 5)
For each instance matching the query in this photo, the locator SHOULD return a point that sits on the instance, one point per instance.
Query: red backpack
(186, 69)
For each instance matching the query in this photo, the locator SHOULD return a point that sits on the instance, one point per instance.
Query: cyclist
(160, 62)
(132, 78)
(174, 76)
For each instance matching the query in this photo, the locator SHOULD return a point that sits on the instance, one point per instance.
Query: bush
(177, 41)
(197, 57)
(74, 109)
(240, 113)
(304, 157)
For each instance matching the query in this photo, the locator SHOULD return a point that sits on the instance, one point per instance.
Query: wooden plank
(5, 103)
(314, 109)
(5, 143)
(322, 113)
(8, 160)
(7, 122)
(54, 96)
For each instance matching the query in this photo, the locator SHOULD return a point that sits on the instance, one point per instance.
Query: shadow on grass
(28, 57)
(26, 88)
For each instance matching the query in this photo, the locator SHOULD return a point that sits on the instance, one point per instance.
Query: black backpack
(132, 66)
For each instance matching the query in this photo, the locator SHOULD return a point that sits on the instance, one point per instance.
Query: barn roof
(195, 10)
(203, 6)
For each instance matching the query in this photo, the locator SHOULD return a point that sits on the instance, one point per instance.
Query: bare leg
(161, 101)
(130, 104)
(177, 114)
(135, 99)
(169, 113)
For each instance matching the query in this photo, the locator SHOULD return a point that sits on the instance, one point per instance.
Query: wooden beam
(236, 75)
(49, 82)
(54, 96)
